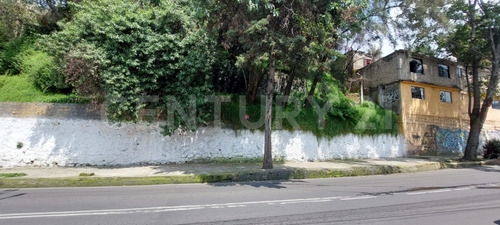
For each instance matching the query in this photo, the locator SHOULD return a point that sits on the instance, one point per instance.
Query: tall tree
(476, 38)
(265, 29)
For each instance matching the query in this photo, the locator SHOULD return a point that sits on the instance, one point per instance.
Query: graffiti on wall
(438, 141)
(492, 134)
(391, 96)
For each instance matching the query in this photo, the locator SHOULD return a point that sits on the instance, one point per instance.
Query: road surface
(458, 196)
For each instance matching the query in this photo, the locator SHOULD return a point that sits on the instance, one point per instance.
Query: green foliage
(344, 117)
(82, 72)
(15, 17)
(11, 55)
(141, 50)
(44, 72)
(491, 150)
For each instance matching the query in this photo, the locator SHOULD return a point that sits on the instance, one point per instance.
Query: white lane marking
(462, 189)
(357, 198)
(439, 191)
(417, 193)
(235, 206)
(312, 201)
(157, 209)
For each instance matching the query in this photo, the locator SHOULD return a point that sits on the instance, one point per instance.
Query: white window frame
(447, 96)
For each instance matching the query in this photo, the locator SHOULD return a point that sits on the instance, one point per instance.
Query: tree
(14, 17)
(267, 29)
(476, 38)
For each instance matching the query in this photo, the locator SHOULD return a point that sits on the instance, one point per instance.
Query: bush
(11, 56)
(142, 50)
(44, 72)
(491, 149)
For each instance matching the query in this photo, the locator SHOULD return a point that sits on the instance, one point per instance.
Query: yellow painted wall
(493, 120)
(431, 105)
(419, 116)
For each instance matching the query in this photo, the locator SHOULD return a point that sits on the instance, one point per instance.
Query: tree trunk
(288, 88)
(470, 152)
(253, 84)
(313, 89)
(268, 157)
(479, 112)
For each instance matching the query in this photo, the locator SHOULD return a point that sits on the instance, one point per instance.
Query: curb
(458, 165)
(244, 176)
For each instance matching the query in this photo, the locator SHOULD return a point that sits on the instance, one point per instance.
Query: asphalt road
(459, 196)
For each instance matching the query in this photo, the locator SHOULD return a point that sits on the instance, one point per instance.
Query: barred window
(418, 92)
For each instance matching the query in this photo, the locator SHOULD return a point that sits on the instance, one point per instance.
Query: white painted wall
(69, 142)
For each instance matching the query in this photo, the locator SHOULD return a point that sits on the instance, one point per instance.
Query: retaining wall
(82, 138)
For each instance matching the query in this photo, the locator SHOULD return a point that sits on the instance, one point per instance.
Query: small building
(430, 96)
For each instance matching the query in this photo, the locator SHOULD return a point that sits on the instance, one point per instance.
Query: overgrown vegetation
(344, 117)
(159, 54)
(137, 50)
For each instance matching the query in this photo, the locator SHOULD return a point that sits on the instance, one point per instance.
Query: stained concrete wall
(32, 138)
(396, 67)
(431, 75)
(430, 126)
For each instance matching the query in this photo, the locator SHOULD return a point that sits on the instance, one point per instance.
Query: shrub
(43, 71)
(491, 149)
(11, 56)
(82, 72)
(142, 50)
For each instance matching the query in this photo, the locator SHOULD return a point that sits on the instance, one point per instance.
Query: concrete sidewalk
(192, 173)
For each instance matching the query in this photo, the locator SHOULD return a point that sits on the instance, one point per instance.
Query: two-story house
(429, 95)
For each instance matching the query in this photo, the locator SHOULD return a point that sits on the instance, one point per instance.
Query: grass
(7, 175)
(87, 174)
(19, 88)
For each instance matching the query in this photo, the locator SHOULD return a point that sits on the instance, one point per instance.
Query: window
(367, 62)
(445, 96)
(460, 72)
(417, 92)
(416, 66)
(443, 70)
(496, 104)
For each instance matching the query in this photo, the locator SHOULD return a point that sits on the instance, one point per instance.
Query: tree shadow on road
(5, 194)
(276, 184)
(487, 168)
(223, 175)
